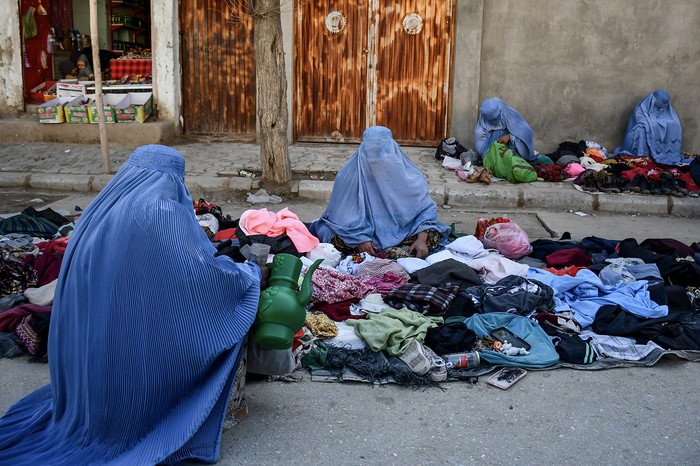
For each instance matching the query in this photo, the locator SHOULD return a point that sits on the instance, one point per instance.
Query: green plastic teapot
(281, 311)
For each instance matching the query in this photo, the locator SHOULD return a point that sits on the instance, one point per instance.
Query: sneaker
(438, 368)
(416, 358)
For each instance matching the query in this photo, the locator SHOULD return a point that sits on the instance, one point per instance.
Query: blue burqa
(654, 130)
(496, 119)
(146, 331)
(379, 195)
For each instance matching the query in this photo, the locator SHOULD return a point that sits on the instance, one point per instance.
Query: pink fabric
(385, 283)
(268, 223)
(332, 286)
(574, 169)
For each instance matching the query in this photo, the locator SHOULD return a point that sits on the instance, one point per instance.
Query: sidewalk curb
(483, 197)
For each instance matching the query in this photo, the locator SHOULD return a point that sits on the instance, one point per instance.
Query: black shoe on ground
(644, 185)
(635, 183)
(664, 183)
(678, 187)
(654, 187)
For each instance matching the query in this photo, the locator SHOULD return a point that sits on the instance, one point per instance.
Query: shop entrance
(360, 64)
(218, 69)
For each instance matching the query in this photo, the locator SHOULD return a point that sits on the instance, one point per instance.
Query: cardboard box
(52, 111)
(109, 104)
(74, 88)
(44, 92)
(136, 106)
(77, 111)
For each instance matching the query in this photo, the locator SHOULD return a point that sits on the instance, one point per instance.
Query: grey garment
(513, 294)
(532, 262)
(565, 160)
(626, 349)
(265, 361)
(12, 300)
(449, 272)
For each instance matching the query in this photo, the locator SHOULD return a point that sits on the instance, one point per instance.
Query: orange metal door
(218, 69)
(414, 57)
(330, 65)
(389, 64)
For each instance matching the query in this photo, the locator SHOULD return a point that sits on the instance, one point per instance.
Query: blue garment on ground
(497, 118)
(379, 195)
(654, 129)
(585, 293)
(146, 331)
(542, 351)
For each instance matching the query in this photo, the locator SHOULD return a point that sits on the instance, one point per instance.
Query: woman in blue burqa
(654, 129)
(500, 122)
(380, 201)
(146, 332)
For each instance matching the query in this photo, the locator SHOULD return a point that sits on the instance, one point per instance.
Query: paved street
(639, 415)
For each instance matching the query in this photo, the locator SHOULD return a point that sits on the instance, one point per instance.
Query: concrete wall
(576, 69)
(11, 91)
(165, 41)
(466, 69)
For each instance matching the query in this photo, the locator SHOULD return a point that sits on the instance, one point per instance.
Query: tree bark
(271, 90)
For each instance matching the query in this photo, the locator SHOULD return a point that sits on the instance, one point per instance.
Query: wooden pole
(97, 69)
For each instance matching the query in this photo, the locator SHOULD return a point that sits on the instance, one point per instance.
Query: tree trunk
(271, 88)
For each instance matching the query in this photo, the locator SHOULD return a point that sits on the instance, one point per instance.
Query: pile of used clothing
(494, 295)
(593, 303)
(32, 244)
(587, 164)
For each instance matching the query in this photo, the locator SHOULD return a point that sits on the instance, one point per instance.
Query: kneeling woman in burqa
(381, 201)
(146, 333)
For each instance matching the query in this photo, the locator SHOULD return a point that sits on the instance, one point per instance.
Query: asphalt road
(620, 416)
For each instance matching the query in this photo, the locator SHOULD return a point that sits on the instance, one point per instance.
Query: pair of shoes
(678, 187)
(665, 183)
(422, 360)
(588, 181)
(604, 182)
(416, 358)
(482, 174)
(694, 193)
(485, 176)
(655, 186)
(635, 184)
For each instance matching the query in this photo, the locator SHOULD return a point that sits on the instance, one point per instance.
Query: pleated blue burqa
(146, 331)
(379, 195)
(654, 129)
(496, 119)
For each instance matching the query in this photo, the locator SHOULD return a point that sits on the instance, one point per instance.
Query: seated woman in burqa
(380, 201)
(500, 122)
(654, 130)
(146, 334)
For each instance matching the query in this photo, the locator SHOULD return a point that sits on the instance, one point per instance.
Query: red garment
(568, 257)
(10, 319)
(571, 270)
(339, 311)
(229, 233)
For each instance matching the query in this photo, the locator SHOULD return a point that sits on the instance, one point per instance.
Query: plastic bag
(509, 239)
(326, 251)
(262, 197)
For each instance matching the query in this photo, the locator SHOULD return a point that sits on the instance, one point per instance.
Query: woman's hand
(419, 246)
(504, 139)
(367, 247)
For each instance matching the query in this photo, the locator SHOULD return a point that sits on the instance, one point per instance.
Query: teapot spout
(304, 295)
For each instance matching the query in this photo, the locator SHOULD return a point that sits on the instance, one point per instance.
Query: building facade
(573, 69)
